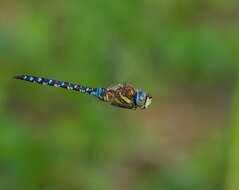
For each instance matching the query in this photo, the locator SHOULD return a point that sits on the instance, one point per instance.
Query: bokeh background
(185, 53)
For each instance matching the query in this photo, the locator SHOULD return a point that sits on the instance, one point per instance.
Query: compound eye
(142, 97)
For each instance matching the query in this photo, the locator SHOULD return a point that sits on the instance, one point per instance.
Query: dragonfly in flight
(121, 95)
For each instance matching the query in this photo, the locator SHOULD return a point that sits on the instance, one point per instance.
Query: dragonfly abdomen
(98, 92)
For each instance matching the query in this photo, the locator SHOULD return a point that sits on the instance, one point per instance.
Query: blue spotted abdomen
(98, 92)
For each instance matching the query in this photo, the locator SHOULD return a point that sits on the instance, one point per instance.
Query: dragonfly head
(143, 100)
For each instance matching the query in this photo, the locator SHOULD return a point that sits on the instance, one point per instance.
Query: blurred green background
(185, 53)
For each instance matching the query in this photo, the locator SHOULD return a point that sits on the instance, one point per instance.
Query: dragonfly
(121, 95)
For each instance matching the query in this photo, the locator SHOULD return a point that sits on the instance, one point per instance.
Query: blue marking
(50, 81)
(39, 79)
(137, 98)
(62, 84)
(94, 93)
(87, 89)
(31, 78)
(98, 92)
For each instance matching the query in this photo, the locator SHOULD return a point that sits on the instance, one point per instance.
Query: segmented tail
(98, 92)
